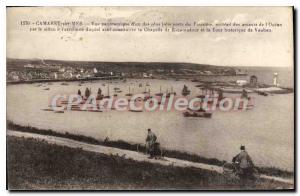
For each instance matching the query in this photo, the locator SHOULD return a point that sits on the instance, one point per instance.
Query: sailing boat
(99, 94)
(147, 96)
(168, 94)
(117, 90)
(129, 94)
(185, 91)
(107, 96)
(145, 91)
(160, 93)
(172, 91)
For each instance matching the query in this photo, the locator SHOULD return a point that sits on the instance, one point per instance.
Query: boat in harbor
(172, 91)
(48, 109)
(117, 90)
(136, 110)
(200, 113)
(145, 90)
(148, 95)
(185, 91)
(129, 93)
(59, 111)
(262, 93)
(64, 84)
(160, 93)
(107, 96)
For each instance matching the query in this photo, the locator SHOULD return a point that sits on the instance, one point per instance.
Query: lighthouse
(275, 79)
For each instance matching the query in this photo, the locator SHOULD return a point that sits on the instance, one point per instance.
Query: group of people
(244, 166)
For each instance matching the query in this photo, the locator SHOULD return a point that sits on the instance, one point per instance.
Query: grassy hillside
(33, 164)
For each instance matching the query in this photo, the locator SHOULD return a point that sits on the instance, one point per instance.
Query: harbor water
(267, 130)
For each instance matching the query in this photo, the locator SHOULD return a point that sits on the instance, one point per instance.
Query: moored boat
(197, 114)
(185, 91)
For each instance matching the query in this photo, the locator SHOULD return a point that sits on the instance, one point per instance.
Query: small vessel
(117, 90)
(160, 93)
(168, 94)
(200, 113)
(93, 110)
(148, 96)
(107, 96)
(128, 94)
(46, 89)
(200, 96)
(185, 91)
(262, 93)
(59, 111)
(145, 91)
(136, 110)
(47, 109)
(172, 92)
(64, 84)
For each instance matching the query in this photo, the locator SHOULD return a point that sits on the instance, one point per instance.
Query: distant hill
(113, 66)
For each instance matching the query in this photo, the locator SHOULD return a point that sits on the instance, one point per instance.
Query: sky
(226, 49)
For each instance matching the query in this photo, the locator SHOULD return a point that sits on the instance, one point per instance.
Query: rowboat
(59, 111)
(198, 114)
(136, 110)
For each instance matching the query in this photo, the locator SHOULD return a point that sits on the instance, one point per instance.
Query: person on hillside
(245, 166)
(150, 143)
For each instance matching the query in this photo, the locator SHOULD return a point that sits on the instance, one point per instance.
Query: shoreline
(63, 80)
(273, 171)
(262, 88)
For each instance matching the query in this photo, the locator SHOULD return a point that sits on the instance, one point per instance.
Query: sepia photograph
(150, 98)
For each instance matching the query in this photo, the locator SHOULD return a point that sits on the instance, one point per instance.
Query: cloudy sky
(234, 49)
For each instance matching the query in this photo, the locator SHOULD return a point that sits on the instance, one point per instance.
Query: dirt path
(129, 154)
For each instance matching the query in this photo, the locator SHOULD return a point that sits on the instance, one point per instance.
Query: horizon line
(169, 62)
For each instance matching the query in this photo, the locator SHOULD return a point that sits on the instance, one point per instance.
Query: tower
(275, 79)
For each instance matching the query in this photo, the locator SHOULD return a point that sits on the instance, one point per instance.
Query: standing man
(246, 166)
(150, 142)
